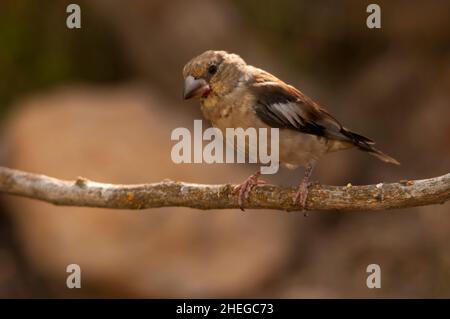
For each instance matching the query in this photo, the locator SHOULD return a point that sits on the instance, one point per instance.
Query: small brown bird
(234, 94)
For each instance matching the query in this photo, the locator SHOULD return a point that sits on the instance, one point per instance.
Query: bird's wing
(283, 106)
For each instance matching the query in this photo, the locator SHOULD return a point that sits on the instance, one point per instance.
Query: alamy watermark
(260, 145)
(374, 279)
(373, 21)
(74, 279)
(73, 20)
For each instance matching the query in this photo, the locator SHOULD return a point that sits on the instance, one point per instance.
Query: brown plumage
(234, 94)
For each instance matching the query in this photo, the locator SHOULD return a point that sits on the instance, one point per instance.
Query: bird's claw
(302, 195)
(245, 188)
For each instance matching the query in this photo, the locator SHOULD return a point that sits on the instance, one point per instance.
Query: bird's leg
(245, 188)
(302, 191)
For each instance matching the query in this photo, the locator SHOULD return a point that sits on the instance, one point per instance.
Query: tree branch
(83, 192)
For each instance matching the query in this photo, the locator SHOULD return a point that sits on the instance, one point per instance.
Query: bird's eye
(212, 69)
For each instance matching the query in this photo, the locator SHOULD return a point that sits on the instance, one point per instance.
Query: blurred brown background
(101, 102)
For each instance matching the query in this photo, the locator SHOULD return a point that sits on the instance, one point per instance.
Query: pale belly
(295, 148)
(299, 149)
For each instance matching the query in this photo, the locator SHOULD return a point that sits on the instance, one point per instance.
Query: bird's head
(212, 73)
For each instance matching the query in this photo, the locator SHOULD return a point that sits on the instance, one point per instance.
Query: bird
(235, 94)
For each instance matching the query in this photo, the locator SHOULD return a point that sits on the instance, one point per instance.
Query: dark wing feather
(283, 106)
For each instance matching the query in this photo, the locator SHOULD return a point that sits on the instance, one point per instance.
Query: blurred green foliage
(37, 50)
(316, 37)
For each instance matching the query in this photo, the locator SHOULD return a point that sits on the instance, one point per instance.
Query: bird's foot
(245, 188)
(302, 195)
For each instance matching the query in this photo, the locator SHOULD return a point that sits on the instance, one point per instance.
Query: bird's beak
(194, 87)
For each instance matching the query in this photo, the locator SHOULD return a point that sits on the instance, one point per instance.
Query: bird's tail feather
(382, 156)
(366, 144)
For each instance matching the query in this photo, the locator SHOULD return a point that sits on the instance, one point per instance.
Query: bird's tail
(367, 145)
